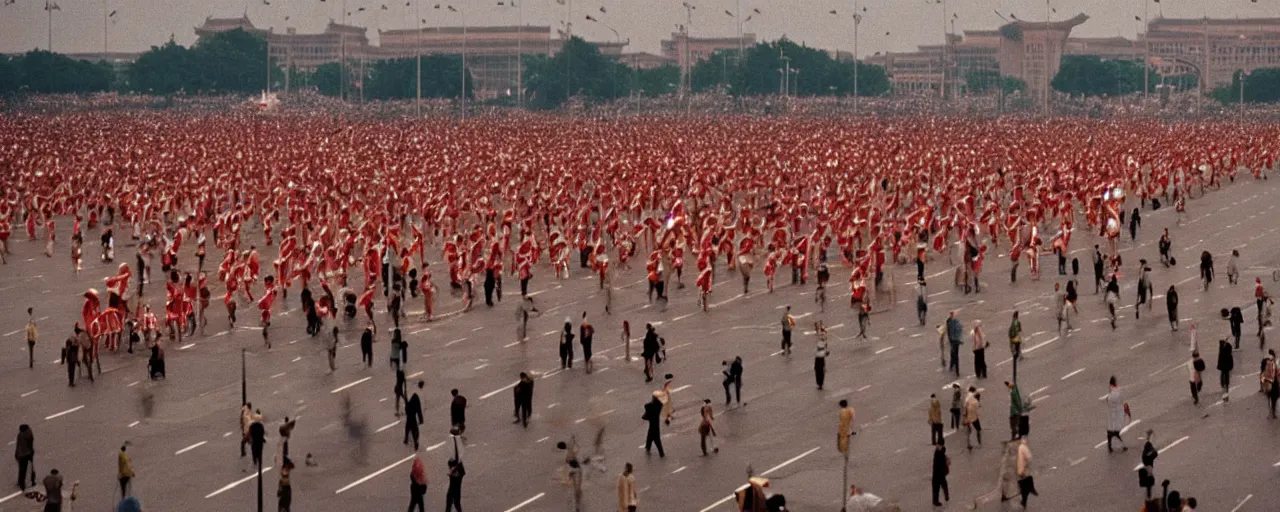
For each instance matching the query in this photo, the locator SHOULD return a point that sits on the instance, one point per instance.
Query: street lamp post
(417, 52)
(1243, 74)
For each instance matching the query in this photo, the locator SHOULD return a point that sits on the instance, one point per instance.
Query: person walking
(585, 333)
(566, 345)
(417, 485)
(970, 418)
(333, 352)
(53, 491)
(458, 411)
(124, 472)
(847, 415)
(1271, 382)
(1144, 288)
(735, 372)
(707, 429)
(1195, 368)
(453, 495)
(649, 351)
(366, 346)
(941, 468)
(1206, 269)
(401, 387)
(257, 437)
(1171, 302)
(1016, 410)
(1098, 267)
(653, 415)
(979, 350)
(1118, 415)
(935, 420)
(71, 358)
(284, 489)
(1026, 483)
(1260, 297)
(627, 500)
(1226, 363)
(413, 409)
(788, 322)
(957, 403)
(1111, 296)
(922, 301)
(1015, 337)
(524, 399)
(25, 452)
(286, 433)
(1236, 319)
(1147, 473)
(1233, 268)
(1060, 304)
(955, 336)
(32, 334)
(820, 355)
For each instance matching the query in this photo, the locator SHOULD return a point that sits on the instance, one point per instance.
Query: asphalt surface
(186, 456)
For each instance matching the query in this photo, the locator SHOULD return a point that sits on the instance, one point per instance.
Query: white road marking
(434, 446)
(499, 390)
(1166, 448)
(11, 496)
(726, 301)
(1072, 374)
(477, 328)
(481, 366)
(29, 393)
(132, 384)
(375, 473)
(512, 344)
(1038, 391)
(189, 448)
(788, 462)
(679, 469)
(1136, 345)
(387, 426)
(278, 375)
(455, 341)
(419, 331)
(864, 388)
(232, 485)
(296, 359)
(526, 502)
(350, 385)
(1238, 505)
(414, 375)
(883, 350)
(681, 317)
(134, 424)
(1051, 340)
(68, 411)
(682, 388)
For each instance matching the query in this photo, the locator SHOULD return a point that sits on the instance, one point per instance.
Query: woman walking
(820, 357)
(1171, 300)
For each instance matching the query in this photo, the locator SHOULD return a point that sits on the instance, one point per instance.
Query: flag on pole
(50, 6)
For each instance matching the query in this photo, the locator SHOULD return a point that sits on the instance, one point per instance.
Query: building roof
(513, 29)
(1215, 21)
(1053, 25)
(339, 27)
(242, 21)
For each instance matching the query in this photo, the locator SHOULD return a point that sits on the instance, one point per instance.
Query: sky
(887, 25)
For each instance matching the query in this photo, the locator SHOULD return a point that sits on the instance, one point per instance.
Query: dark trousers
(453, 496)
(955, 419)
(23, 464)
(820, 370)
(980, 363)
(940, 484)
(737, 389)
(935, 433)
(727, 397)
(411, 429)
(1026, 487)
(489, 283)
(566, 355)
(71, 373)
(786, 340)
(654, 438)
(417, 493)
(124, 486)
(524, 287)
(31, 354)
(1225, 380)
(366, 354)
(955, 358)
(1195, 391)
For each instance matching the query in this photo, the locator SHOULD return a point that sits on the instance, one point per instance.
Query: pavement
(184, 446)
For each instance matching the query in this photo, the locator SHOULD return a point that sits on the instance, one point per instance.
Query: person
(523, 392)
(1015, 337)
(333, 354)
(941, 468)
(286, 432)
(706, 429)
(453, 495)
(1171, 301)
(1135, 221)
(788, 322)
(400, 388)
(1226, 363)
(25, 452)
(71, 358)
(1233, 268)
(653, 415)
(1111, 296)
(53, 491)
(1195, 367)
(366, 346)
(1260, 298)
(32, 334)
(1144, 288)
(922, 302)
(979, 350)
(627, 501)
(458, 411)
(847, 415)
(1206, 268)
(566, 345)
(257, 437)
(1026, 483)
(649, 351)
(1271, 381)
(970, 417)
(935, 420)
(1118, 415)
(413, 409)
(735, 374)
(124, 472)
(1147, 472)
(284, 490)
(417, 485)
(955, 335)
(1060, 304)
(1236, 319)
(1016, 410)
(585, 333)
(1165, 245)
(820, 355)
(957, 402)
(1097, 269)
(246, 419)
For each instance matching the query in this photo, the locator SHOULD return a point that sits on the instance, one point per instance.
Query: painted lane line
(134, 383)
(512, 344)
(134, 424)
(29, 393)
(434, 446)
(1072, 374)
(1050, 340)
(415, 375)
(187, 346)
(68, 411)
(864, 388)
(681, 317)
(296, 359)
(883, 350)
(526, 502)
(375, 474)
(682, 388)
(451, 343)
(387, 426)
(232, 485)
(1038, 391)
(420, 331)
(11, 496)
(278, 375)
(481, 366)
(766, 473)
(681, 468)
(499, 390)
(339, 390)
(1238, 505)
(1136, 345)
(189, 448)
(726, 301)
(1165, 449)
(788, 462)
(1122, 431)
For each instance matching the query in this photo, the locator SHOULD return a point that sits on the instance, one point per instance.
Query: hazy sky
(139, 24)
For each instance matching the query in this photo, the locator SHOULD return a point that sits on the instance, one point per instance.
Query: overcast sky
(139, 24)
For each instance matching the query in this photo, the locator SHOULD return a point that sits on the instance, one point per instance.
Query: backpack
(1198, 365)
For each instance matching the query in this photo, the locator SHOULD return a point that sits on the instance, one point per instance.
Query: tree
(658, 81)
(1261, 85)
(10, 74)
(983, 81)
(327, 78)
(1093, 76)
(233, 61)
(395, 78)
(44, 72)
(812, 72)
(578, 69)
(164, 69)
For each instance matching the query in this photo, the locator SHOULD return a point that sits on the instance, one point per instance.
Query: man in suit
(414, 412)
